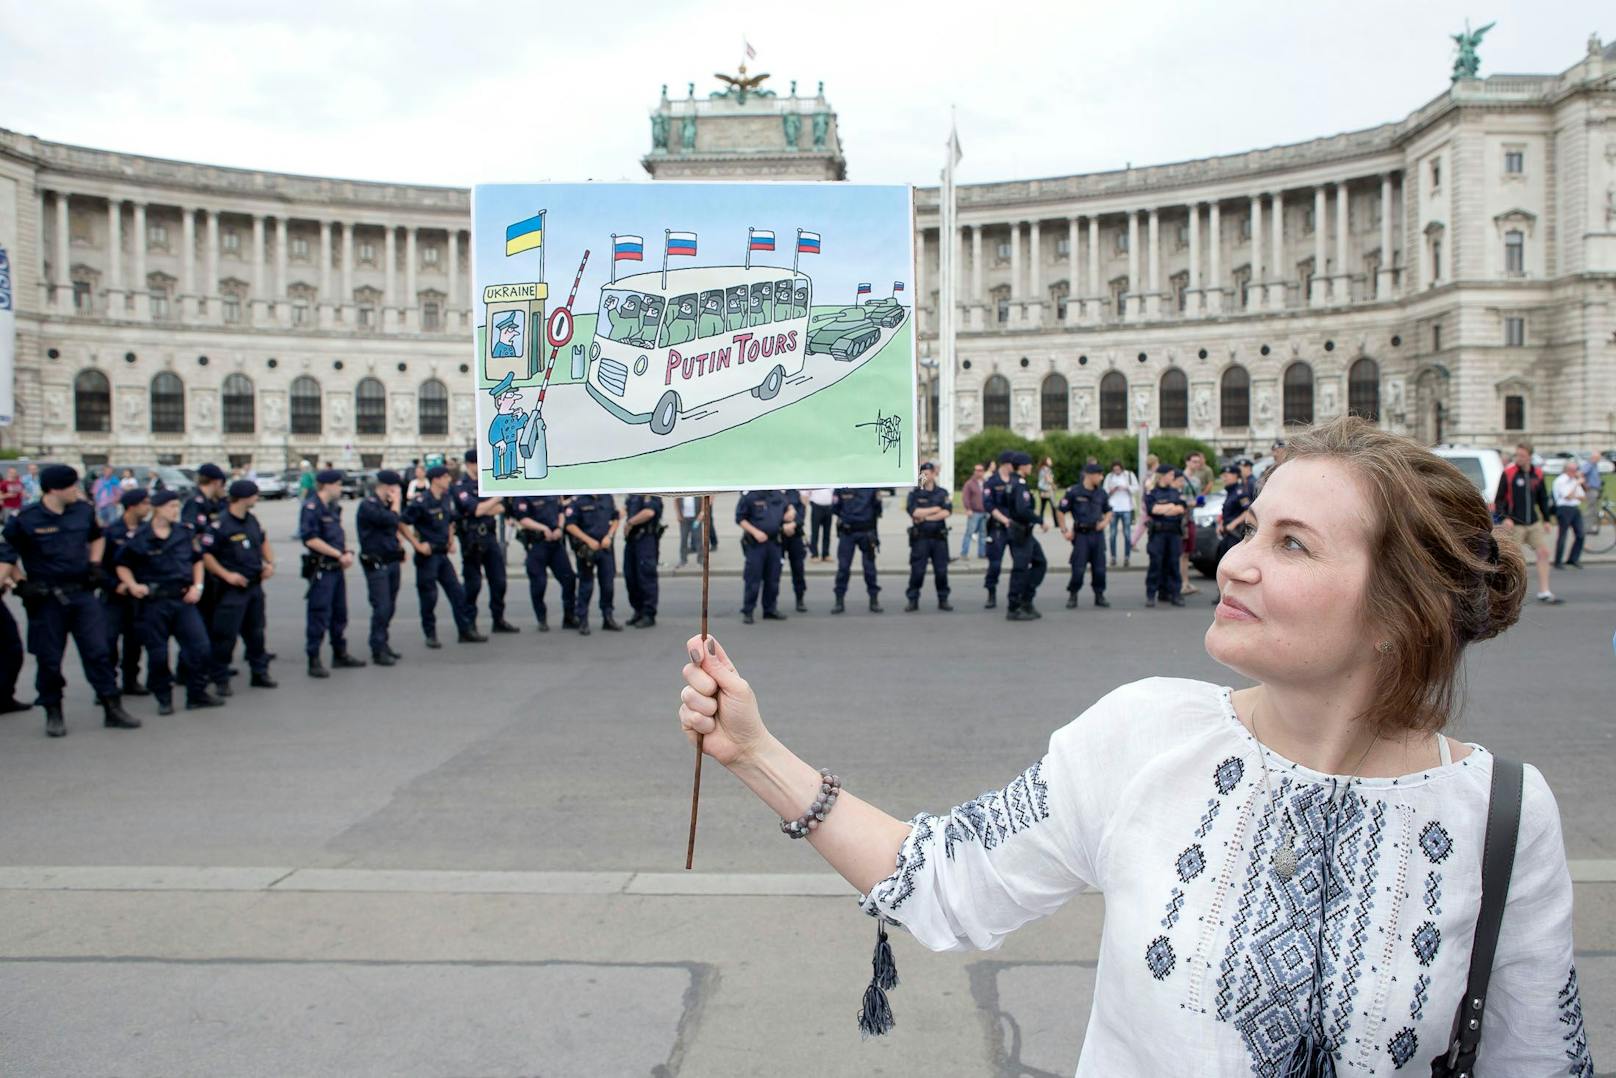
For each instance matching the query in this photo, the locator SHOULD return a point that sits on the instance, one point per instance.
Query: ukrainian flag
(524, 235)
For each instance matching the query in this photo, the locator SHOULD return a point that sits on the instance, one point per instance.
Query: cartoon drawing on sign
(722, 336)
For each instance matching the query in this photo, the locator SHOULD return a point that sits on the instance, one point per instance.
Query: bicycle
(1599, 528)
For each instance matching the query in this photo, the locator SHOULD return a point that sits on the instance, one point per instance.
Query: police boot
(135, 688)
(911, 606)
(433, 643)
(165, 704)
(802, 607)
(55, 725)
(1030, 612)
(583, 627)
(634, 622)
(503, 626)
(222, 688)
(11, 704)
(115, 717)
(646, 621)
(773, 615)
(544, 626)
(394, 655)
(343, 661)
(317, 668)
(1150, 600)
(1071, 600)
(569, 621)
(1015, 614)
(1177, 600)
(1100, 600)
(262, 681)
(746, 617)
(875, 605)
(839, 607)
(204, 700)
(381, 658)
(472, 636)
(610, 624)
(993, 600)
(944, 604)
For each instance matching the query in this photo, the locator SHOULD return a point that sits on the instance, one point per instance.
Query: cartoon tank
(887, 313)
(844, 334)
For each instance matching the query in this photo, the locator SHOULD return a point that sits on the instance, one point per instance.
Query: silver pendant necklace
(1287, 858)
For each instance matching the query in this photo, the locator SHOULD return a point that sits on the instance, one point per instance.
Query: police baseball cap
(1007, 457)
(1023, 458)
(163, 497)
(929, 466)
(57, 477)
(1164, 469)
(1279, 443)
(1093, 469)
(1230, 468)
(388, 477)
(436, 471)
(132, 497)
(1245, 462)
(242, 488)
(328, 475)
(210, 471)
(471, 456)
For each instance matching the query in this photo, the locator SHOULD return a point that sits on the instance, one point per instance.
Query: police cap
(390, 478)
(163, 497)
(1230, 468)
(242, 488)
(1164, 469)
(1007, 457)
(210, 471)
(1021, 459)
(328, 475)
(471, 455)
(929, 466)
(131, 498)
(57, 477)
(436, 471)
(1093, 469)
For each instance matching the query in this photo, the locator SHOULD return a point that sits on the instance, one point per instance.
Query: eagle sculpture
(741, 84)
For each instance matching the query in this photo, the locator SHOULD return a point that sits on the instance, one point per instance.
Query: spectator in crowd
(1592, 481)
(30, 484)
(1152, 462)
(418, 483)
(127, 480)
(819, 518)
(10, 493)
(107, 492)
(1521, 508)
(1199, 474)
(1187, 490)
(1123, 492)
(1046, 490)
(976, 516)
(688, 510)
(305, 481)
(1569, 492)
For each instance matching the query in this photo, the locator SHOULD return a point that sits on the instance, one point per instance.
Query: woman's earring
(1384, 647)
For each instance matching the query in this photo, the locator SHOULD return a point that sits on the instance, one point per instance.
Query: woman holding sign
(1294, 872)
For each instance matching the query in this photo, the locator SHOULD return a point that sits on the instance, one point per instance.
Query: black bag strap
(1497, 865)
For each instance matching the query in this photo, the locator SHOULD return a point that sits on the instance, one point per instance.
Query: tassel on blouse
(1311, 1058)
(875, 1017)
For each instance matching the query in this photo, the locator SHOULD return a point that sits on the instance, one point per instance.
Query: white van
(1482, 467)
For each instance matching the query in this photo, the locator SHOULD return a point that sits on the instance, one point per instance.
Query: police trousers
(327, 612)
(544, 557)
(796, 555)
(124, 642)
(1162, 579)
(161, 619)
(819, 517)
(863, 541)
(50, 622)
(1027, 568)
(10, 654)
(239, 612)
(594, 564)
(381, 585)
(1088, 550)
(433, 571)
(998, 539)
(481, 554)
(762, 570)
(640, 572)
(926, 549)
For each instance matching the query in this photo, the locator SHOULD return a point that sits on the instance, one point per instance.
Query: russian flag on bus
(628, 248)
(681, 243)
(897, 286)
(864, 288)
(761, 239)
(524, 235)
(808, 243)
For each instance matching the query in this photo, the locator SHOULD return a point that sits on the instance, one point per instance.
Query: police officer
(994, 489)
(1090, 510)
(480, 549)
(538, 523)
(381, 556)
(857, 512)
(120, 609)
(431, 517)
(328, 557)
(57, 542)
(1027, 561)
(1232, 521)
(929, 507)
(10, 640)
(761, 515)
(199, 513)
(592, 522)
(796, 550)
(237, 554)
(642, 530)
(1164, 510)
(160, 566)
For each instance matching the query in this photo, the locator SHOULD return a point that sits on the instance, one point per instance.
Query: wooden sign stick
(706, 565)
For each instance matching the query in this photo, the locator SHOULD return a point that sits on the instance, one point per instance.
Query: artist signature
(888, 433)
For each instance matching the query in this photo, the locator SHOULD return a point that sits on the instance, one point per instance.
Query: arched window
(996, 402)
(1235, 398)
(92, 402)
(240, 417)
(1175, 400)
(167, 404)
(305, 405)
(1052, 402)
(1114, 401)
(370, 407)
(1363, 389)
(432, 407)
(1298, 394)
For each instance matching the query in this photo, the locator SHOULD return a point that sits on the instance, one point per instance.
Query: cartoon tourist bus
(666, 349)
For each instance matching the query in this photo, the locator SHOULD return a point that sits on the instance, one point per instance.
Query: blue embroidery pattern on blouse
(998, 814)
(1575, 1037)
(1403, 1046)
(1433, 893)
(1228, 774)
(1213, 807)
(1160, 958)
(896, 888)
(1435, 842)
(1422, 992)
(1427, 939)
(1174, 905)
(1190, 863)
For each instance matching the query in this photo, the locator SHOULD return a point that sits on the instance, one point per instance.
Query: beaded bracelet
(829, 787)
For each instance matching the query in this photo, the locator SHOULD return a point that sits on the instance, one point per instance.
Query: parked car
(156, 477)
(350, 484)
(1204, 558)
(1482, 467)
(271, 486)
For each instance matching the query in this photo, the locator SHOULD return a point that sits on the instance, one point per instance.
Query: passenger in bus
(736, 308)
(799, 301)
(761, 311)
(651, 320)
(782, 301)
(509, 331)
(623, 318)
(681, 325)
(712, 313)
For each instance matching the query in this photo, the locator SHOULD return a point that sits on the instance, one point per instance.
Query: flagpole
(948, 209)
(542, 245)
(796, 251)
(666, 233)
(749, 233)
(614, 258)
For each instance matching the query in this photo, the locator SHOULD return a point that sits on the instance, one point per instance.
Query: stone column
(210, 286)
(187, 296)
(451, 306)
(1153, 301)
(1015, 274)
(259, 303)
(1214, 258)
(1341, 279)
(1256, 293)
(1035, 279)
(283, 308)
(1091, 288)
(137, 251)
(63, 268)
(1276, 264)
(978, 300)
(346, 300)
(390, 302)
(1074, 302)
(1383, 278)
(1192, 300)
(408, 314)
(1135, 290)
(324, 301)
(116, 304)
(1319, 286)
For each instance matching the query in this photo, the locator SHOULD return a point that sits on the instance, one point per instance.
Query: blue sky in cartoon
(864, 229)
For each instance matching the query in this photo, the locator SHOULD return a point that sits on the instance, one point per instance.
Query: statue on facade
(659, 131)
(273, 411)
(1467, 63)
(204, 410)
(403, 407)
(793, 126)
(1265, 406)
(742, 85)
(1141, 406)
(1203, 406)
(821, 129)
(1394, 397)
(132, 407)
(687, 132)
(56, 407)
(339, 412)
(1327, 400)
(1080, 406)
(1024, 406)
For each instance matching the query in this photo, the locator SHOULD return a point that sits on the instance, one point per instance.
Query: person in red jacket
(1522, 512)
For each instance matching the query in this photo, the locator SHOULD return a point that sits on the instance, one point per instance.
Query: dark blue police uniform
(1088, 509)
(545, 556)
(857, 511)
(640, 557)
(796, 548)
(166, 565)
(994, 488)
(1162, 579)
(237, 544)
(1236, 500)
(594, 515)
(432, 517)
(1027, 561)
(121, 612)
(10, 645)
(382, 558)
(480, 551)
(928, 543)
(199, 513)
(328, 588)
(765, 510)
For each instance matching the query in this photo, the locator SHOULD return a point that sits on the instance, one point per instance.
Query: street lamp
(923, 405)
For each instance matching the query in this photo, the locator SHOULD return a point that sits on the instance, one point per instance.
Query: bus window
(680, 325)
(760, 312)
(782, 301)
(651, 319)
(735, 308)
(712, 313)
(799, 300)
(622, 317)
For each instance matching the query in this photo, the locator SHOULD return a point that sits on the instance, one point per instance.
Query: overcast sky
(452, 93)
